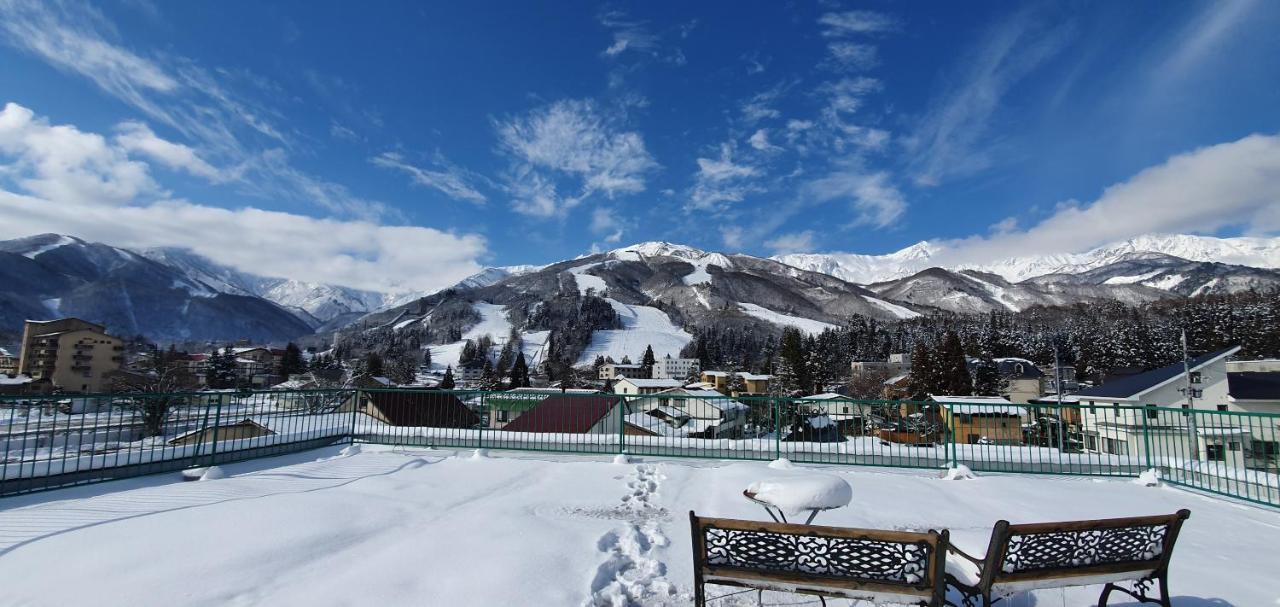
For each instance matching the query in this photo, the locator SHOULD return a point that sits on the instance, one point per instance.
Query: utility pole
(1190, 392)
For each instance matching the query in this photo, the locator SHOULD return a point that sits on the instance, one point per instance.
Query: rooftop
(1134, 385)
(1254, 385)
(497, 525)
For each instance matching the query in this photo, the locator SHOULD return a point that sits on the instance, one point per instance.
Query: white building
(897, 363)
(616, 370)
(1108, 428)
(689, 413)
(675, 368)
(626, 385)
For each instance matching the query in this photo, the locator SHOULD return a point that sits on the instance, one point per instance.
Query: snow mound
(795, 494)
(213, 473)
(350, 450)
(959, 472)
(622, 458)
(1149, 478)
(782, 463)
(480, 454)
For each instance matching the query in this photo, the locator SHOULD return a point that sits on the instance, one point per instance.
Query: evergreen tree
(921, 383)
(595, 366)
(519, 373)
(373, 364)
(447, 383)
(489, 380)
(222, 372)
(986, 377)
(952, 368)
(792, 368)
(647, 362)
(291, 362)
(506, 356)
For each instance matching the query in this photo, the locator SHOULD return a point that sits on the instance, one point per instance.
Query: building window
(1214, 453)
(1152, 413)
(1222, 407)
(1233, 446)
(1195, 377)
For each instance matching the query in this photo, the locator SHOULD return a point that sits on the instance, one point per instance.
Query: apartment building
(675, 368)
(75, 355)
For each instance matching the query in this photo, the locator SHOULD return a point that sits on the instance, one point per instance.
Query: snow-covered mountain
(867, 269)
(616, 303)
(50, 275)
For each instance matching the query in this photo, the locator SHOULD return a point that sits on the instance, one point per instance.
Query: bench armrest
(958, 552)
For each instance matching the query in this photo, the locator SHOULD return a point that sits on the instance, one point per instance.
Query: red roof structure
(422, 408)
(564, 413)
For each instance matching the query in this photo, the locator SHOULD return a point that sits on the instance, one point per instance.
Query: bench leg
(1139, 592)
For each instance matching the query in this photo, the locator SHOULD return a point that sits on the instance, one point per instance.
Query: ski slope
(642, 326)
(806, 325)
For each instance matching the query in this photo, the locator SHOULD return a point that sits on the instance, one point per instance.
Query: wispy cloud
(1204, 190)
(574, 142)
(82, 183)
(446, 178)
(722, 180)
(837, 24)
(872, 197)
(948, 140)
(136, 137)
(222, 124)
(761, 105)
(793, 242)
(853, 56)
(635, 36)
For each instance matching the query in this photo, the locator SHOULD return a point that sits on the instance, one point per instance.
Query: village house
(570, 414)
(627, 385)
(675, 368)
(8, 363)
(977, 420)
(1108, 428)
(241, 430)
(755, 384)
(896, 364)
(849, 416)
(74, 355)
(689, 412)
(616, 370)
(417, 408)
(502, 408)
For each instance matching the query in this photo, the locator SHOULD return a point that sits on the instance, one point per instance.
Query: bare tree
(155, 386)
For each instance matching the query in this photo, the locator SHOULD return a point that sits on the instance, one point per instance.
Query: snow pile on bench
(795, 494)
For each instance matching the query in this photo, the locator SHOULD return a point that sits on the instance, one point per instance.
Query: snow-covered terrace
(384, 526)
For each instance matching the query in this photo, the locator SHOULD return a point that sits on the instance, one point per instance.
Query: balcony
(82, 357)
(81, 368)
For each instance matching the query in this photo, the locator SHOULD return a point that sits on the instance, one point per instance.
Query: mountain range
(657, 291)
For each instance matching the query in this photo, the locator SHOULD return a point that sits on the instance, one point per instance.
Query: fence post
(948, 423)
(777, 428)
(1146, 438)
(487, 413)
(622, 425)
(356, 401)
(217, 421)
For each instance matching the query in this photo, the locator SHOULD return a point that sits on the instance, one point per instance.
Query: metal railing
(60, 440)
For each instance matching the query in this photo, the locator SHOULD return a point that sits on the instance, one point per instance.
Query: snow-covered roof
(896, 378)
(742, 374)
(1229, 431)
(979, 405)
(5, 380)
(652, 383)
(4, 352)
(825, 396)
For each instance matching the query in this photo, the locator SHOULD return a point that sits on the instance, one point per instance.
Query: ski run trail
(631, 574)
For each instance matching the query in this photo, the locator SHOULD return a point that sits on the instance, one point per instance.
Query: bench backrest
(1042, 551)
(819, 558)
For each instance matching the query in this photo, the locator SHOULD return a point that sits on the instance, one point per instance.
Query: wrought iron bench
(1133, 550)
(869, 564)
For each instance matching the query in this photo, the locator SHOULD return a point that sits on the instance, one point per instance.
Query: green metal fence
(56, 441)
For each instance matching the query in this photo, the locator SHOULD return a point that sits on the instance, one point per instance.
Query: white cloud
(853, 55)
(759, 140)
(721, 180)
(760, 106)
(136, 137)
(872, 197)
(947, 141)
(605, 223)
(795, 242)
(1228, 184)
(857, 22)
(571, 140)
(63, 163)
(338, 131)
(451, 180)
(81, 183)
(223, 126)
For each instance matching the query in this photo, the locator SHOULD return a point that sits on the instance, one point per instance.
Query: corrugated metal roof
(1134, 385)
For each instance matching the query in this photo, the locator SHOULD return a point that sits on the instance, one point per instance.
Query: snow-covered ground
(807, 325)
(494, 323)
(642, 326)
(403, 527)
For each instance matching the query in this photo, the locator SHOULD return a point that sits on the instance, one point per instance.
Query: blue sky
(401, 145)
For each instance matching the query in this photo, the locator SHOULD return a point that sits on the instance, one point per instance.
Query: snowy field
(642, 326)
(422, 527)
